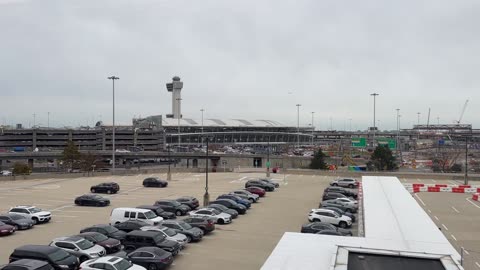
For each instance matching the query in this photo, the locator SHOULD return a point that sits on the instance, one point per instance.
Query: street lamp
(169, 174)
(298, 125)
(374, 123)
(313, 128)
(398, 127)
(268, 156)
(178, 122)
(113, 78)
(418, 118)
(48, 120)
(202, 110)
(206, 196)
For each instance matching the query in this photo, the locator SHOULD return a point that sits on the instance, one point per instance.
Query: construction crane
(463, 111)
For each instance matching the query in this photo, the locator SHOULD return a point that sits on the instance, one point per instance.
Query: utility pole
(418, 118)
(169, 174)
(206, 196)
(113, 78)
(298, 125)
(34, 115)
(48, 120)
(268, 156)
(466, 161)
(202, 110)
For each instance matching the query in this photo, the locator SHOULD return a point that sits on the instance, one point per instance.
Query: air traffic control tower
(176, 88)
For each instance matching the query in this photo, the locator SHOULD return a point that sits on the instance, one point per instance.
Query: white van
(122, 214)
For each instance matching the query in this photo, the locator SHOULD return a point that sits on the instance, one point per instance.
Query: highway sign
(391, 143)
(359, 142)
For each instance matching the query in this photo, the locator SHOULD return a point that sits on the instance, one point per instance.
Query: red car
(256, 190)
(6, 229)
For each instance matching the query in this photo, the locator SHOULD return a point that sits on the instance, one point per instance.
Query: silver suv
(79, 247)
(345, 182)
(31, 212)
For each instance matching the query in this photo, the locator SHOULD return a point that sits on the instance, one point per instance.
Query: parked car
(18, 221)
(173, 206)
(91, 200)
(6, 229)
(349, 203)
(131, 225)
(269, 181)
(332, 195)
(329, 216)
(111, 245)
(232, 205)
(219, 217)
(256, 190)
(344, 191)
(341, 212)
(108, 187)
(168, 233)
(5, 173)
(106, 230)
(138, 239)
(79, 247)
(122, 214)
(152, 258)
(260, 184)
(250, 196)
(192, 233)
(189, 201)
(333, 203)
(345, 182)
(56, 257)
(206, 224)
(224, 209)
(31, 212)
(154, 182)
(158, 210)
(329, 232)
(315, 227)
(28, 264)
(236, 199)
(110, 263)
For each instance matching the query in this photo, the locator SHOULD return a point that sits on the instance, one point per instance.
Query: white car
(32, 212)
(220, 217)
(111, 263)
(5, 173)
(329, 216)
(79, 247)
(169, 234)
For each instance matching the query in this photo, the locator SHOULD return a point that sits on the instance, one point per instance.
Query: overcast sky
(249, 59)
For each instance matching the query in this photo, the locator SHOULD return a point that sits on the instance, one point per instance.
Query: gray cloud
(240, 59)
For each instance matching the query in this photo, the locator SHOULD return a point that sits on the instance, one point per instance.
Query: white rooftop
(394, 225)
(212, 122)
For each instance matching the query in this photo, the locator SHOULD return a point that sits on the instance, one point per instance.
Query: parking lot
(244, 244)
(456, 215)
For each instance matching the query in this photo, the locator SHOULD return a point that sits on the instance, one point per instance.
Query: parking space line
(453, 237)
(66, 216)
(478, 265)
(434, 180)
(472, 203)
(436, 218)
(429, 211)
(445, 227)
(455, 209)
(420, 199)
(466, 252)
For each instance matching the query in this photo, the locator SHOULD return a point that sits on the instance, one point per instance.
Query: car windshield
(16, 217)
(170, 232)
(58, 255)
(99, 237)
(219, 206)
(85, 244)
(35, 210)
(98, 197)
(159, 238)
(185, 225)
(123, 264)
(216, 212)
(110, 229)
(175, 203)
(150, 215)
(2, 224)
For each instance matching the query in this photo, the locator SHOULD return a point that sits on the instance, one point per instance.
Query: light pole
(398, 127)
(438, 120)
(374, 108)
(350, 124)
(48, 120)
(202, 110)
(298, 125)
(169, 174)
(113, 78)
(34, 115)
(206, 196)
(313, 128)
(178, 122)
(418, 118)
(268, 156)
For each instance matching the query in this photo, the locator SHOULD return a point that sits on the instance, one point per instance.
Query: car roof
(29, 262)
(143, 233)
(150, 249)
(73, 239)
(172, 221)
(108, 259)
(24, 206)
(323, 210)
(40, 248)
(99, 226)
(88, 234)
